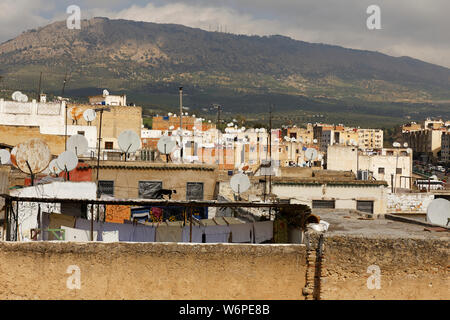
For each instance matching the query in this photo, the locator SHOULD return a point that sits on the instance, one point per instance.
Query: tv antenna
(438, 212)
(53, 167)
(75, 114)
(78, 144)
(5, 156)
(239, 183)
(311, 155)
(33, 157)
(67, 161)
(129, 142)
(166, 145)
(89, 115)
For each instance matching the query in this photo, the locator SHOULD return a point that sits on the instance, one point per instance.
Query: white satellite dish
(315, 141)
(287, 139)
(166, 145)
(434, 177)
(405, 145)
(78, 144)
(311, 154)
(240, 182)
(67, 161)
(438, 212)
(171, 127)
(396, 145)
(129, 141)
(5, 156)
(293, 140)
(53, 167)
(89, 115)
(105, 92)
(16, 95)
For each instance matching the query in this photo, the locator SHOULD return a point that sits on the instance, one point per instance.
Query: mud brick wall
(409, 268)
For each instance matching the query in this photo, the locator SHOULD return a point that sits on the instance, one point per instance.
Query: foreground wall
(152, 271)
(408, 268)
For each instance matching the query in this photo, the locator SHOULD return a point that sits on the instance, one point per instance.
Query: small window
(109, 145)
(399, 170)
(106, 187)
(149, 189)
(81, 133)
(194, 191)
(380, 170)
(323, 204)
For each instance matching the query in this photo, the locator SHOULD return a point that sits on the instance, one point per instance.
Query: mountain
(149, 61)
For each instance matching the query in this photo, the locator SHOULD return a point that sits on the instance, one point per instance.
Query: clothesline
(77, 228)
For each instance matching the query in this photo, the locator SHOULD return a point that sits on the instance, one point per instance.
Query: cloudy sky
(415, 28)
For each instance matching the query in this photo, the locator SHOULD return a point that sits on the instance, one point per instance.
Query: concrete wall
(409, 268)
(152, 271)
(408, 202)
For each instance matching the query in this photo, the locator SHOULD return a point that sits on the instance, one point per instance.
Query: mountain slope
(151, 60)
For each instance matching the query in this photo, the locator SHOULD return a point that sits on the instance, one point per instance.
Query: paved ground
(346, 223)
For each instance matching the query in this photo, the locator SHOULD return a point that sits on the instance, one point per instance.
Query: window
(380, 170)
(81, 133)
(323, 204)
(109, 145)
(399, 170)
(364, 206)
(194, 191)
(106, 187)
(149, 189)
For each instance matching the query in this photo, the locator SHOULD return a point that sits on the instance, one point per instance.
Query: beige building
(445, 147)
(391, 165)
(332, 193)
(21, 121)
(370, 138)
(132, 180)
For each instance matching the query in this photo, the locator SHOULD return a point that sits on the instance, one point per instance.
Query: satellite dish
(129, 141)
(5, 156)
(75, 113)
(438, 212)
(240, 182)
(53, 167)
(67, 160)
(23, 98)
(89, 115)
(434, 177)
(287, 139)
(405, 145)
(166, 145)
(78, 144)
(396, 145)
(105, 92)
(13, 156)
(33, 156)
(311, 154)
(171, 127)
(294, 140)
(16, 95)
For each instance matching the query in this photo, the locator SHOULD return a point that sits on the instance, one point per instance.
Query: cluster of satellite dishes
(19, 97)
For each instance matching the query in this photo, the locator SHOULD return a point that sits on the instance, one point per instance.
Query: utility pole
(181, 124)
(218, 106)
(39, 90)
(270, 149)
